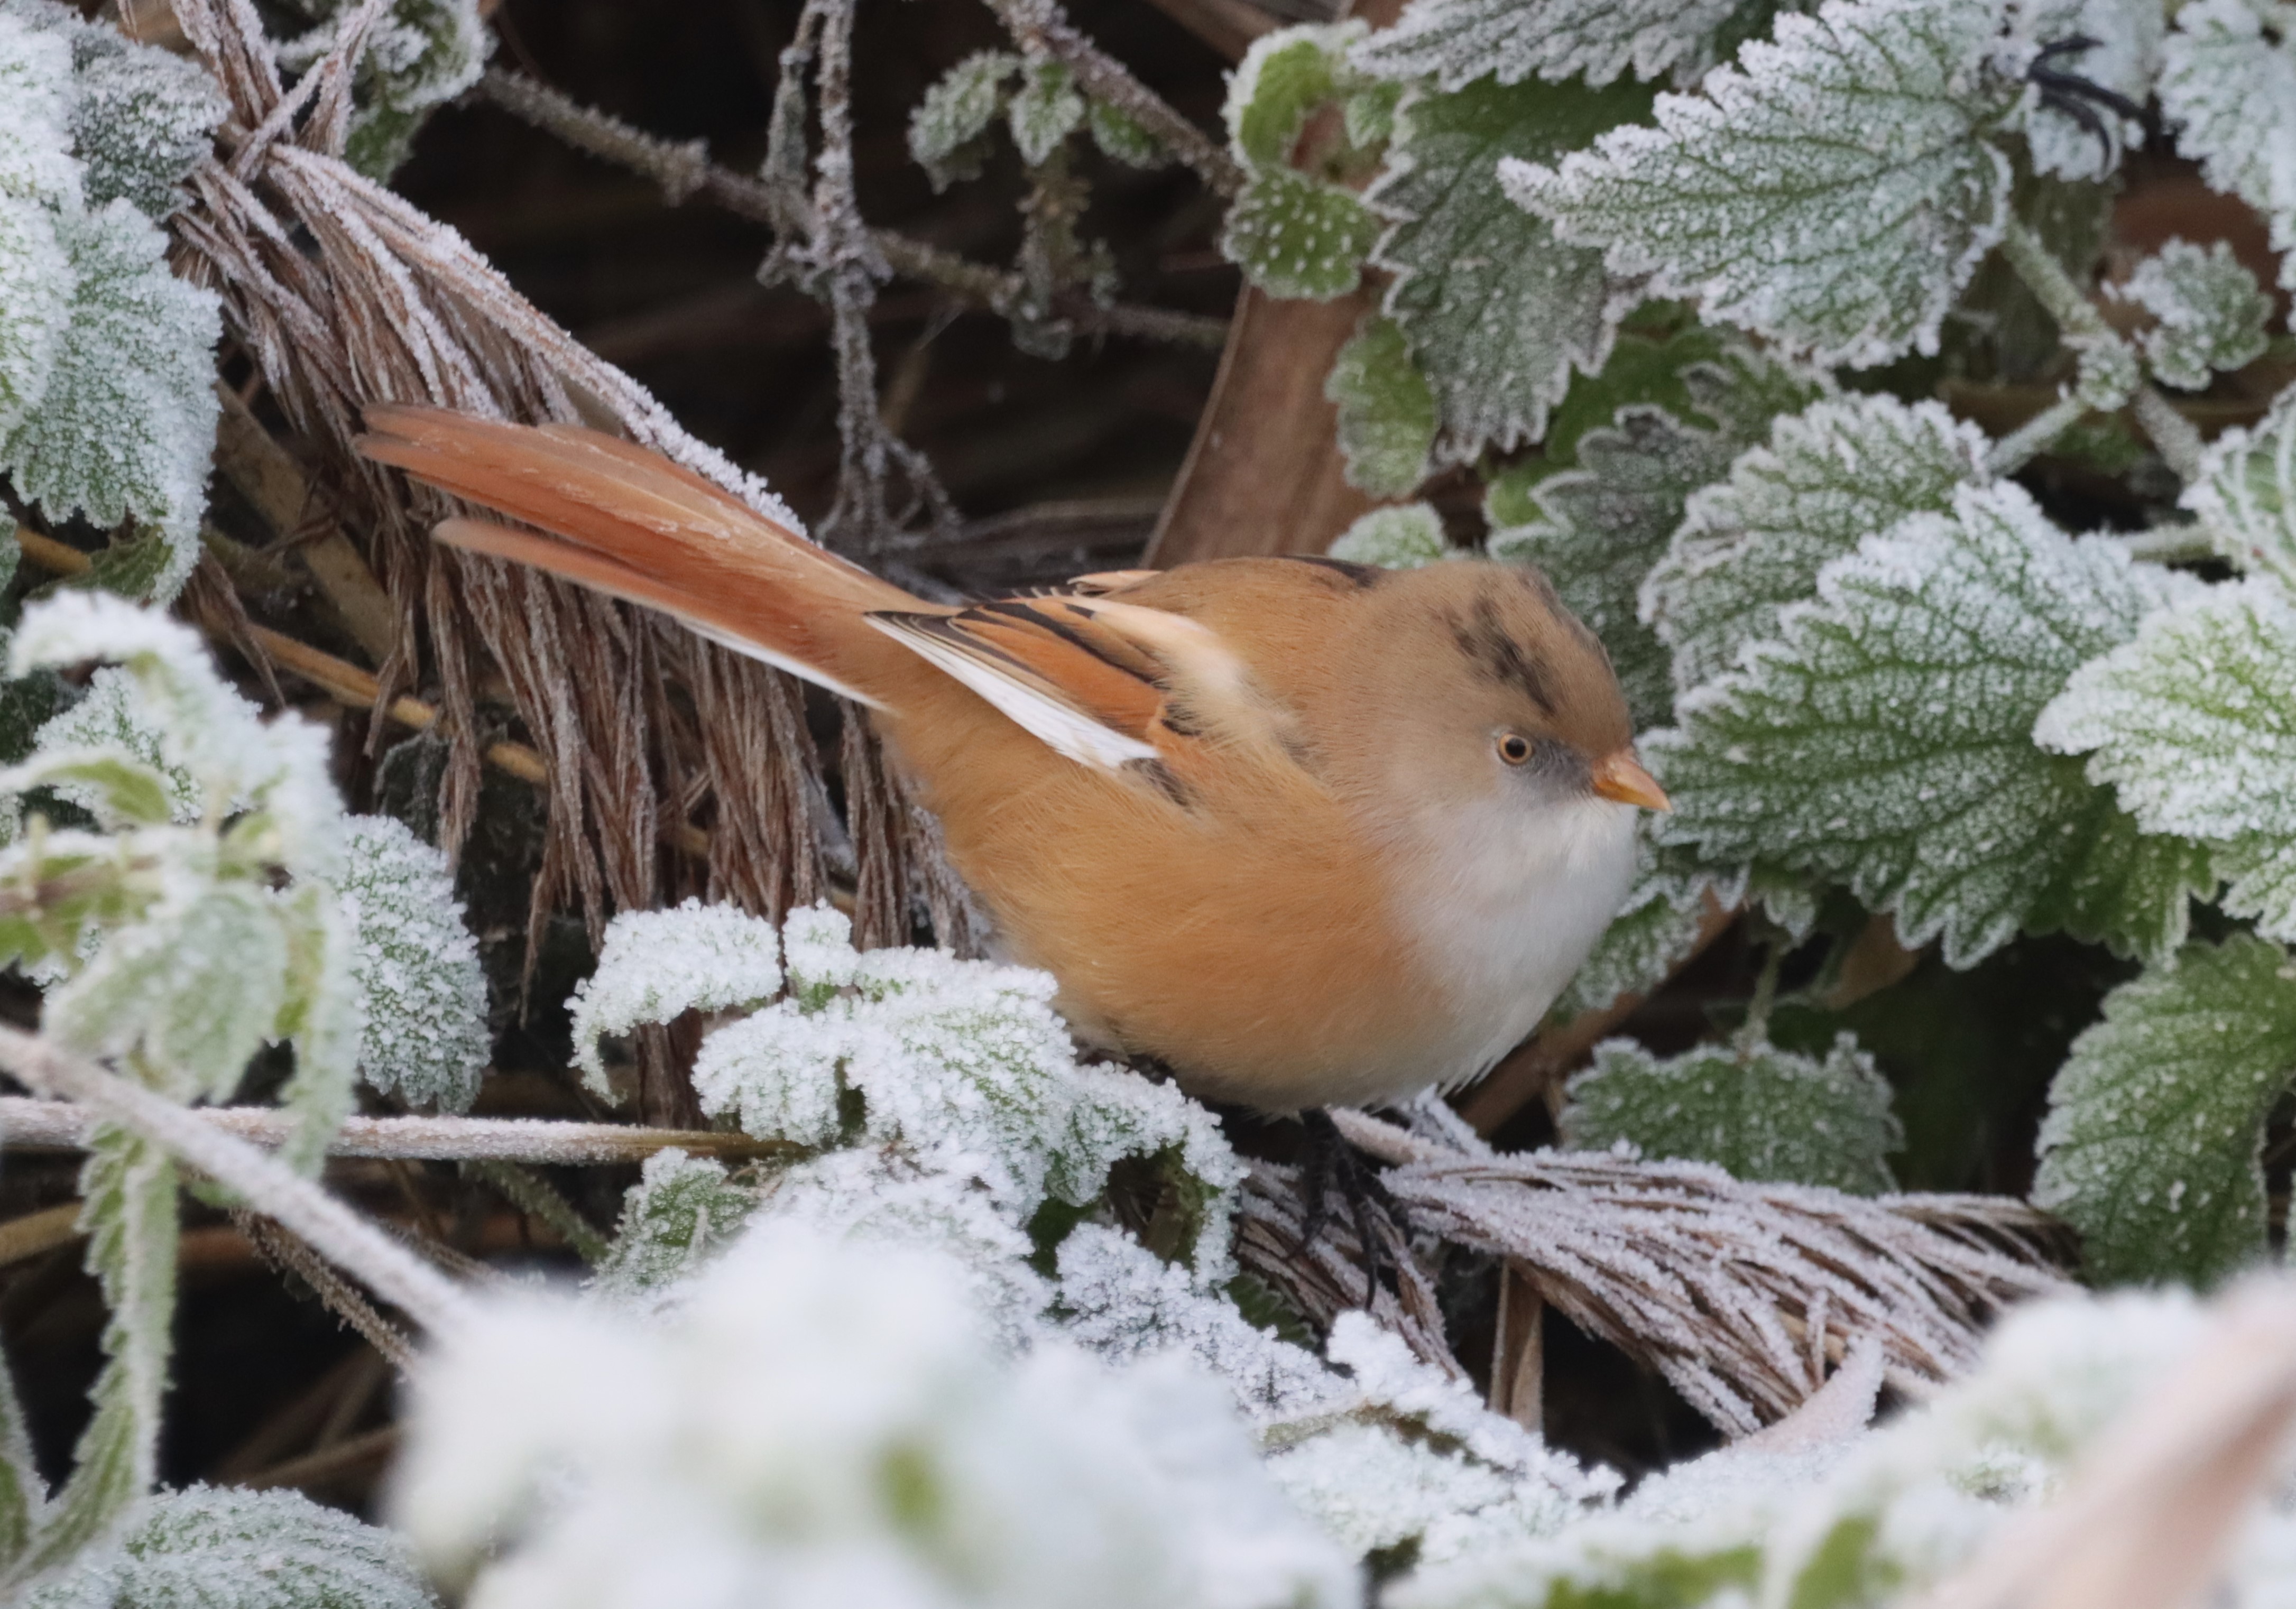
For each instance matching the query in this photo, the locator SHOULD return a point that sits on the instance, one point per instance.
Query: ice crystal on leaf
(2194, 724)
(110, 716)
(1833, 191)
(1843, 470)
(1387, 419)
(417, 968)
(1883, 740)
(126, 422)
(823, 1422)
(947, 128)
(36, 164)
(421, 55)
(2152, 1147)
(1763, 1114)
(222, 1548)
(681, 1210)
(1456, 41)
(655, 964)
(2123, 55)
(1496, 309)
(2228, 85)
(2245, 495)
(2210, 314)
(1408, 536)
(1045, 111)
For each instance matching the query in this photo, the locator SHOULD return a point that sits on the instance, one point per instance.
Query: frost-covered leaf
(112, 717)
(1643, 367)
(421, 55)
(36, 86)
(1841, 470)
(655, 964)
(2153, 1147)
(1455, 42)
(126, 425)
(2208, 312)
(2245, 495)
(23, 1494)
(1606, 523)
(1283, 77)
(37, 177)
(1299, 237)
(681, 1210)
(417, 966)
(1045, 111)
(226, 1547)
(1118, 135)
(2194, 724)
(1497, 310)
(1763, 1114)
(1833, 191)
(2229, 86)
(946, 130)
(2123, 56)
(1387, 410)
(1883, 740)
(1403, 537)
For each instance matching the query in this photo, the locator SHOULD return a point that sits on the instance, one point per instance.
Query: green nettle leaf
(117, 787)
(1833, 191)
(128, 1189)
(1408, 536)
(1831, 475)
(2152, 1147)
(681, 1209)
(1456, 41)
(2194, 724)
(1283, 77)
(1641, 369)
(126, 425)
(2228, 85)
(1884, 740)
(947, 128)
(1298, 237)
(1761, 1113)
(223, 1548)
(1119, 136)
(37, 177)
(1387, 410)
(2245, 495)
(22, 1493)
(2209, 312)
(417, 968)
(1046, 110)
(1497, 309)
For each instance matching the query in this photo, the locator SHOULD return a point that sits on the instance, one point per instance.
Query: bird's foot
(2076, 97)
(1330, 1167)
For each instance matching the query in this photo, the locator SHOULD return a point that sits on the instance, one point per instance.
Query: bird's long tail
(629, 522)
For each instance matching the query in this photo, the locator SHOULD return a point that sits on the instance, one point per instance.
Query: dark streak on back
(1358, 575)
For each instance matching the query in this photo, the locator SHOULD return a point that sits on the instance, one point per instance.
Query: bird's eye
(1514, 748)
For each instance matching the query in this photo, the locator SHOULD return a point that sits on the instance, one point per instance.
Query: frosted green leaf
(1760, 1113)
(2194, 724)
(2228, 85)
(112, 717)
(1883, 740)
(1843, 470)
(1833, 191)
(1299, 237)
(126, 425)
(36, 87)
(1657, 924)
(117, 788)
(421, 55)
(1367, 115)
(1497, 310)
(1640, 369)
(2124, 57)
(417, 966)
(1283, 76)
(1606, 523)
(681, 1209)
(22, 1493)
(1118, 135)
(1387, 410)
(655, 964)
(128, 1212)
(776, 1072)
(947, 129)
(2152, 1147)
(36, 279)
(324, 1015)
(2208, 312)
(2245, 495)
(225, 1547)
(1455, 42)
(1046, 110)
(1405, 536)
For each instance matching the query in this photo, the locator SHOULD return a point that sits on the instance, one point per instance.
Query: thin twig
(66, 1124)
(41, 1232)
(268, 1186)
(532, 1194)
(685, 171)
(287, 1253)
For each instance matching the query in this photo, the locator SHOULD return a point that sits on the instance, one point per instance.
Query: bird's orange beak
(1618, 777)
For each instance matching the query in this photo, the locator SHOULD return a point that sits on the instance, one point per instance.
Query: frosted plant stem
(2168, 544)
(266, 1186)
(2029, 440)
(2175, 435)
(529, 1192)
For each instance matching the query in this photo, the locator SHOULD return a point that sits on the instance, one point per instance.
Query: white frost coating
(682, 1211)
(36, 175)
(1406, 536)
(2228, 85)
(2210, 314)
(2245, 495)
(945, 127)
(1458, 41)
(1833, 191)
(110, 714)
(417, 966)
(656, 964)
(824, 1423)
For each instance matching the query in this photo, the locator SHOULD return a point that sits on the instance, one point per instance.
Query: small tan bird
(1311, 833)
